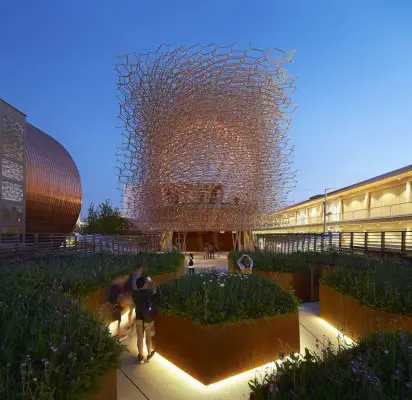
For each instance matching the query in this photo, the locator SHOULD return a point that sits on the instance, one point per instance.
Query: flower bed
(51, 347)
(302, 272)
(214, 326)
(379, 368)
(362, 300)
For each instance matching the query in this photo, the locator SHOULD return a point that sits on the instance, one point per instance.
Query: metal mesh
(205, 143)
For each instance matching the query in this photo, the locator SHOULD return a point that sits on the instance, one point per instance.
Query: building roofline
(14, 108)
(354, 186)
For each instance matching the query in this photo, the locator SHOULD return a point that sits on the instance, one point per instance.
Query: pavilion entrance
(196, 241)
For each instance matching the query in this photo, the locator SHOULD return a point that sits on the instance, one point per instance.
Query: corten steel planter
(107, 390)
(230, 266)
(159, 279)
(316, 274)
(298, 282)
(356, 320)
(96, 302)
(215, 352)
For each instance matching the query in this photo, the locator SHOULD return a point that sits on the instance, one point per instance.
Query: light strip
(338, 334)
(214, 386)
(236, 379)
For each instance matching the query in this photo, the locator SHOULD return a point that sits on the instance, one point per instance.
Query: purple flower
(408, 385)
(273, 388)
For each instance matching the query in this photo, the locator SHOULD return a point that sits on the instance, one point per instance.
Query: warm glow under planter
(212, 353)
(355, 319)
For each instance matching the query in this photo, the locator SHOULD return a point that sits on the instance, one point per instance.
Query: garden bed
(357, 320)
(299, 272)
(52, 346)
(215, 352)
(371, 297)
(214, 326)
(378, 368)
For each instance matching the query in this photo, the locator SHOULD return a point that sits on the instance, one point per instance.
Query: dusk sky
(353, 64)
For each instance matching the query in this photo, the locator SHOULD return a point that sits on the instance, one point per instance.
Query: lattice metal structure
(205, 143)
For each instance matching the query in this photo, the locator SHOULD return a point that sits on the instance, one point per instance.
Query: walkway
(159, 379)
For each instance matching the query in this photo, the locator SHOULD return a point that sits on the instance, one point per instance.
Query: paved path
(160, 380)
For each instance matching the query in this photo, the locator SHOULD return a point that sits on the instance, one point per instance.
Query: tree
(107, 220)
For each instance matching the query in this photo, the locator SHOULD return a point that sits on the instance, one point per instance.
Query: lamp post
(325, 204)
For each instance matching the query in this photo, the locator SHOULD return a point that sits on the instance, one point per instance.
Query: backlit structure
(205, 143)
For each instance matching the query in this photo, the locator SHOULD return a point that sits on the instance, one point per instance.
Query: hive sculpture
(205, 144)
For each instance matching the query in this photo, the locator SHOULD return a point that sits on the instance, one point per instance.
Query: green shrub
(301, 261)
(86, 273)
(221, 298)
(378, 284)
(274, 262)
(379, 368)
(51, 348)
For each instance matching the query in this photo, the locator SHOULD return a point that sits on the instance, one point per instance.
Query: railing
(393, 210)
(399, 242)
(33, 246)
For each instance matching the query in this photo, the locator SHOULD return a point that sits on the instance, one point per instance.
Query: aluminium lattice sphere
(205, 143)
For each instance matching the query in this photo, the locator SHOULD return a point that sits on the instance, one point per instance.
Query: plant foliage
(378, 284)
(379, 368)
(215, 298)
(51, 348)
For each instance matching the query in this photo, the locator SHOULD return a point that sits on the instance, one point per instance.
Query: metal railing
(393, 210)
(384, 243)
(15, 247)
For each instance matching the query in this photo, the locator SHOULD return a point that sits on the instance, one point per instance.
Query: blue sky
(353, 62)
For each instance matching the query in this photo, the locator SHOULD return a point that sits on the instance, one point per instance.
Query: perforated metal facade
(39, 181)
(12, 177)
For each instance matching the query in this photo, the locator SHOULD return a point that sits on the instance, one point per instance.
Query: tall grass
(223, 298)
(379, 368)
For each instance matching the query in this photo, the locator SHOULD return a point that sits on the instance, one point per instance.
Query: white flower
(222, 285)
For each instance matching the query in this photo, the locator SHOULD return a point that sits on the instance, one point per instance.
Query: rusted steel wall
(53, 187)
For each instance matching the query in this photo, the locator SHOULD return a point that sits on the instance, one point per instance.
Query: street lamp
(325, 204)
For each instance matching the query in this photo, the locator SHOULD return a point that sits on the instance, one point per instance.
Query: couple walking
(138, 293)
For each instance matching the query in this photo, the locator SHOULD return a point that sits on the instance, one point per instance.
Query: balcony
(389, 211)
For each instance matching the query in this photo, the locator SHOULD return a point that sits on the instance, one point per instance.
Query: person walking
(146, 311)
(128, 287)
(191, 264)
(113, 297)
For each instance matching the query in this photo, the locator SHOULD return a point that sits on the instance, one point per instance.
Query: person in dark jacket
(113, 297)
(144, 300)
(128, 287)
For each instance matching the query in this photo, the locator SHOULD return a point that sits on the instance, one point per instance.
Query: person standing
(191, 264)
(146, 311)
